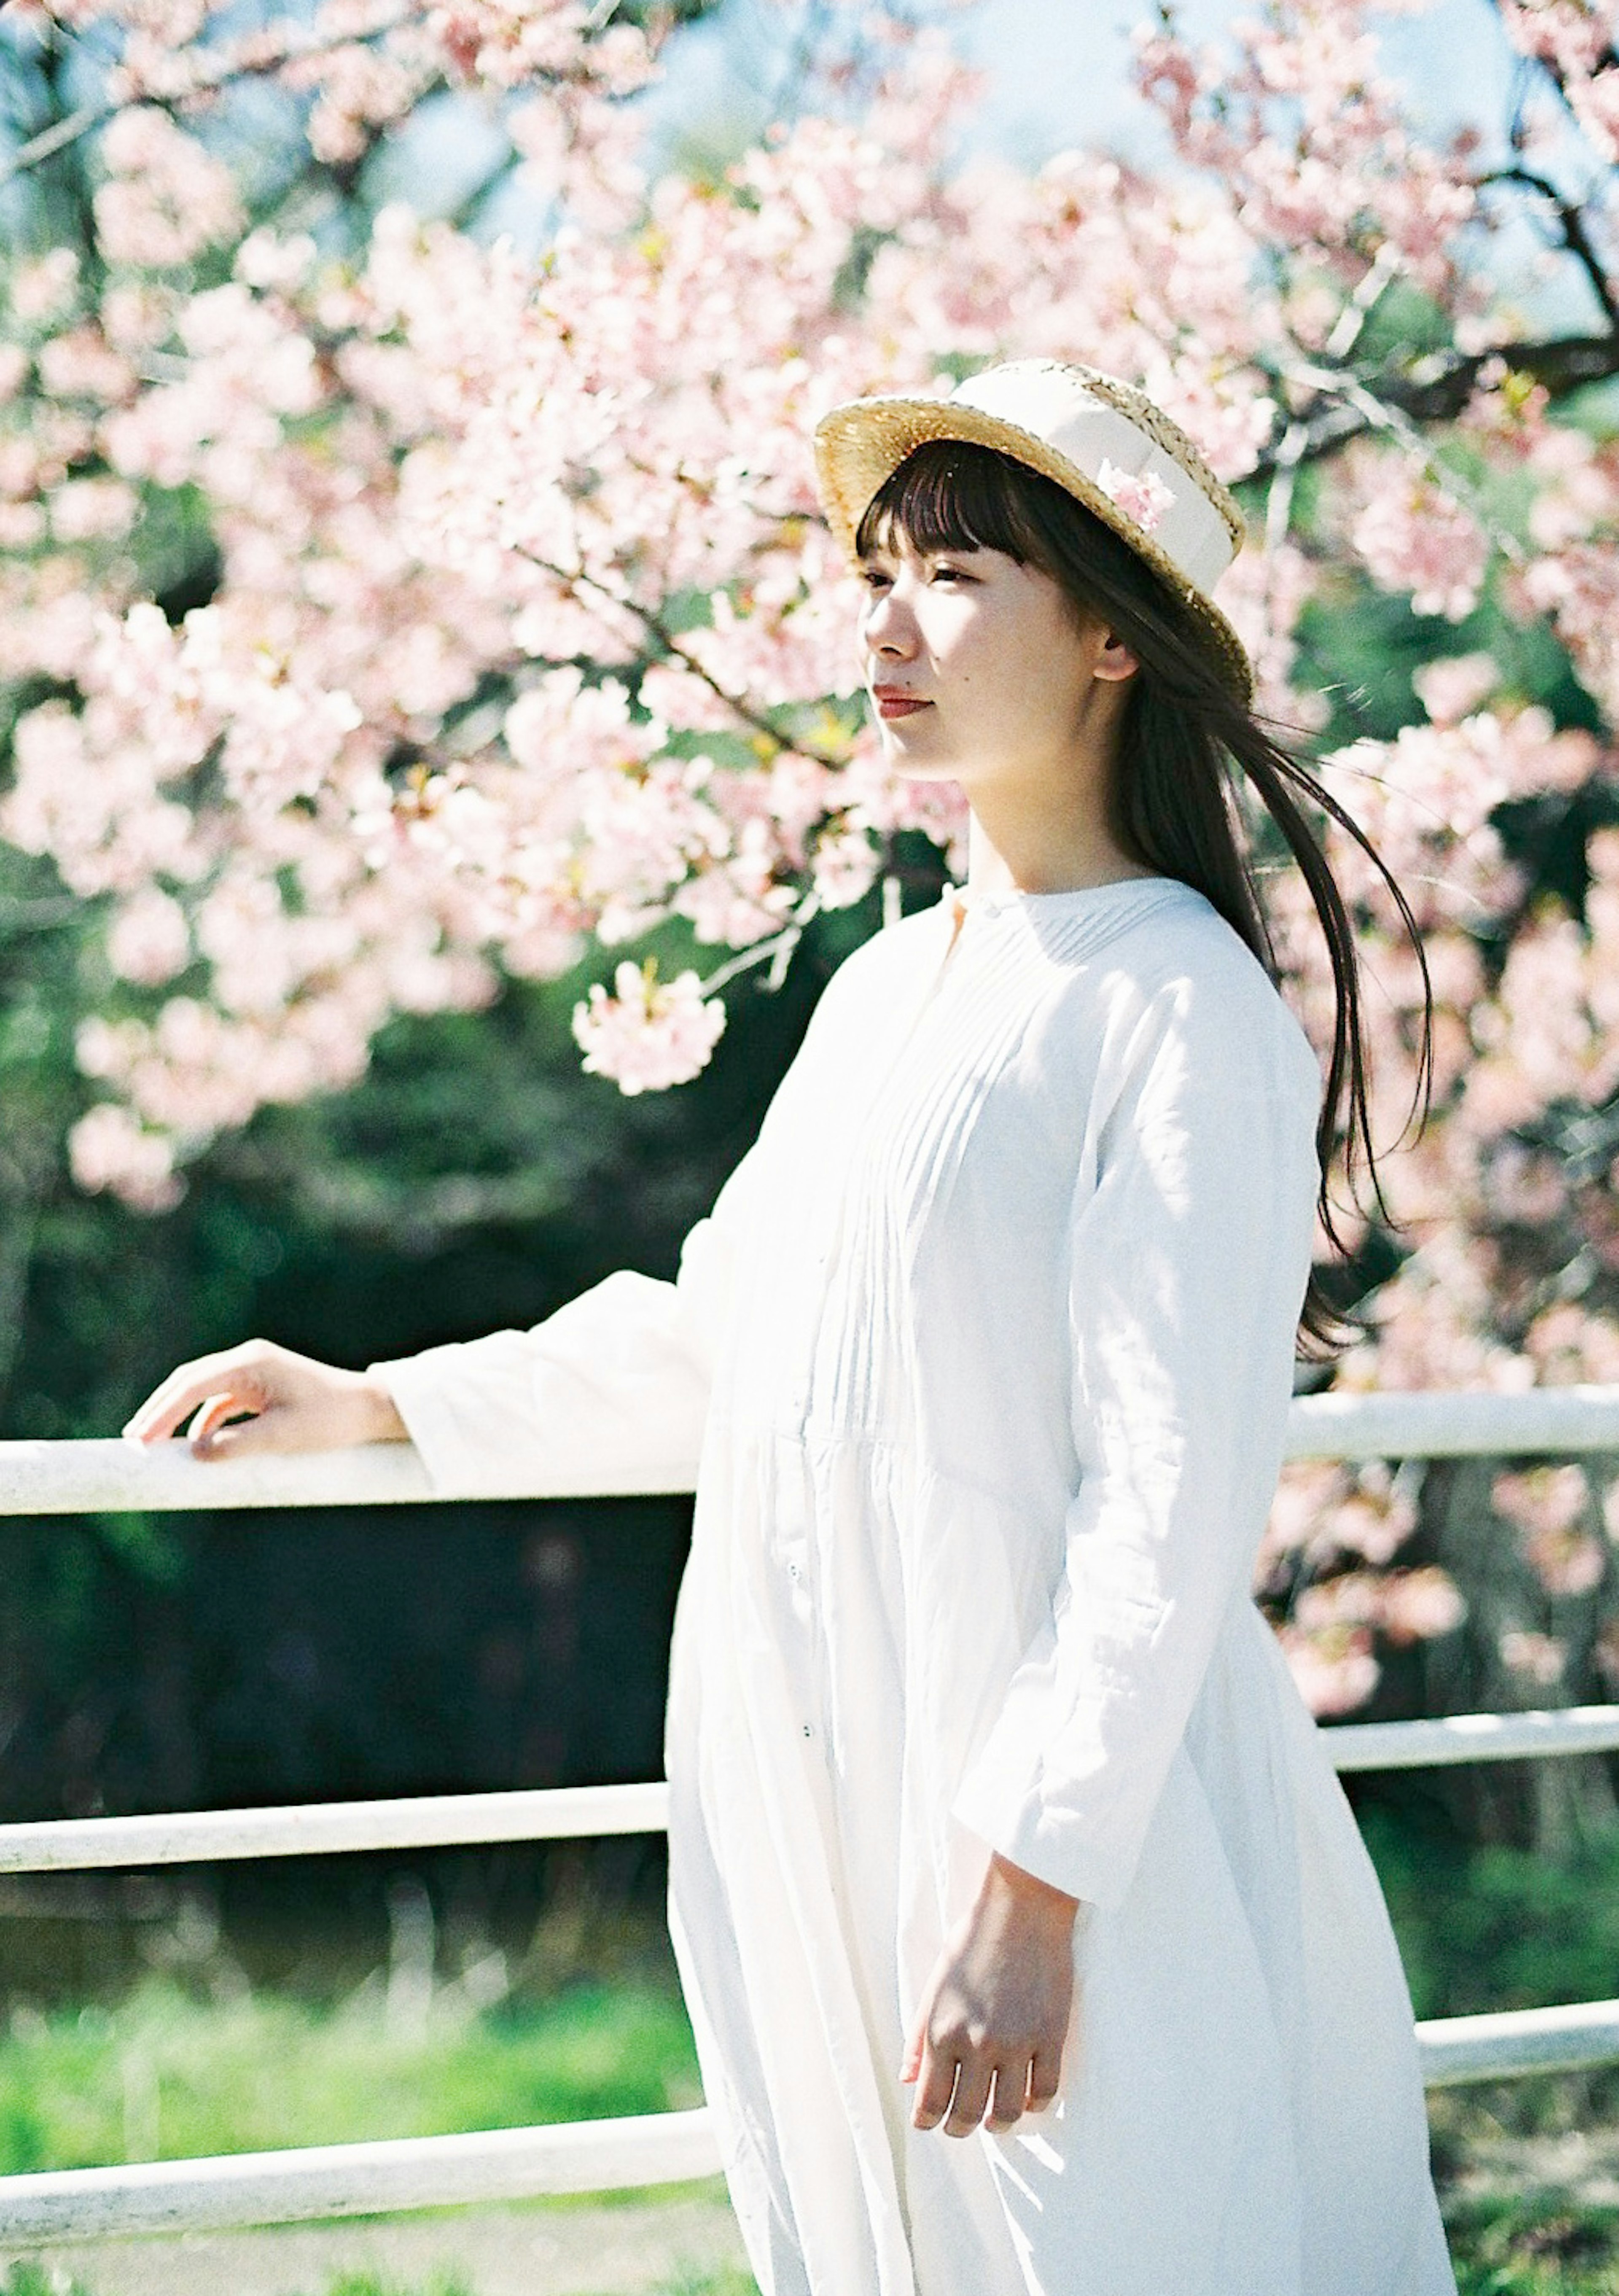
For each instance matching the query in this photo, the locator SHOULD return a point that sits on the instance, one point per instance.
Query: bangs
(950, 496)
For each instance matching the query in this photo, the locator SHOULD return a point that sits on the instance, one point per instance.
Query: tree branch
(1438, 388)
(1576, 239)
(55, 138)
(658, 629)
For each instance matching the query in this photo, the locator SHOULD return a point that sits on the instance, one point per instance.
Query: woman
(987, 1781)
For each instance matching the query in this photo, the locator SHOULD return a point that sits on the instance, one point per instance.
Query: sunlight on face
(978, 668)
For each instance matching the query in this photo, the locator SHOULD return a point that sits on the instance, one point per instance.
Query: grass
(711, 2284)
(39, 2280)
(164, 2074)
(1549, 2248)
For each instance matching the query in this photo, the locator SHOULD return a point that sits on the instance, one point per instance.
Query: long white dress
(982, 1364)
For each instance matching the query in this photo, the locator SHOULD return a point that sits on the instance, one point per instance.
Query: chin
(909, 770)
(911, 767)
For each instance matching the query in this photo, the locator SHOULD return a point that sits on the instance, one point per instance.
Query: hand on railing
(260, 1397)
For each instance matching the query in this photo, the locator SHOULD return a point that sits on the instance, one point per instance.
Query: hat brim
(860, 445)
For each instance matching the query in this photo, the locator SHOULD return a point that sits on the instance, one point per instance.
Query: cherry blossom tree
(510, 640)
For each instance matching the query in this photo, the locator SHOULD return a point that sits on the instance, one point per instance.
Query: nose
(888, 627)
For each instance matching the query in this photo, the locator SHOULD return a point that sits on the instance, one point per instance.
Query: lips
(894, 701)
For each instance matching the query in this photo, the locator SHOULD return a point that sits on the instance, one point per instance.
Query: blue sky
(1057, 70)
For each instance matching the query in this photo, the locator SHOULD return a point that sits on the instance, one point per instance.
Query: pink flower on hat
(1141, 494)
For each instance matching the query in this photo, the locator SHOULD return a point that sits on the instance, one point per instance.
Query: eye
(874, 577)
(951, 574)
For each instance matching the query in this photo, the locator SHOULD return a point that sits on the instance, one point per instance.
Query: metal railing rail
(174, 2196)
(236, 2190)
(106, 1477)
(575, 1813)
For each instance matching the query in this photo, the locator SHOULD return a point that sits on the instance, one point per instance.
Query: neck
(1041, 850)
(1040, 824)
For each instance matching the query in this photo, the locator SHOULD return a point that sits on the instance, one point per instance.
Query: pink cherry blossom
(166, 197)
(1452, 687)
(529, 641)
(649, 1034)
(1411, 535)
(109, 1149)
(1537, 1658)
(1335, 1672)
(149, 941)
(1418, 1606)
(45, 289)
(1142, 496)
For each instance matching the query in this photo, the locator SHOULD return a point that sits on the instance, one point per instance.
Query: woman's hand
(995, 2016)
(294, 1403)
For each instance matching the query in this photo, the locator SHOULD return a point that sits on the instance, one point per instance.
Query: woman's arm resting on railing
(613, 1389)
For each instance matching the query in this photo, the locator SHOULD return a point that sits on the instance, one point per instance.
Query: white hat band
(1104, 442)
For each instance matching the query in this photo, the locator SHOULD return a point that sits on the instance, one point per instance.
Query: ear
(1112, 660)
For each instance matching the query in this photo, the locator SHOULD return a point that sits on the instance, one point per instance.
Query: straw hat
(1102, 440)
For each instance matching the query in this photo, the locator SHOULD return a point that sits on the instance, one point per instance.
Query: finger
(212, 1416)
(169, 1406)
(935, 2083)
(1010, 2097)
(910, 2064)
(245, 1437)
(967, 2105)
(1045, 2078)
(167, 1410)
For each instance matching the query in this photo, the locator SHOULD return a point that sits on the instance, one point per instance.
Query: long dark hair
(1175, 800)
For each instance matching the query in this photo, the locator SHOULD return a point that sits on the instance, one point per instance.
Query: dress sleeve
(609, 1394)
(1187, 1260)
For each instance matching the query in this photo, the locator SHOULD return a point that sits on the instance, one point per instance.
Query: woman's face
(979, 670)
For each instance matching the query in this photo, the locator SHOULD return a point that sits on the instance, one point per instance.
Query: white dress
(982, 1364)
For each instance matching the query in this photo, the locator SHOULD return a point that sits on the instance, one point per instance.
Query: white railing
(338, 2180)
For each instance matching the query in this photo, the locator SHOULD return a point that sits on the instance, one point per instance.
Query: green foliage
(176, 556)
(367, 2284)
(1534, 2247)
(31, 2279)
(709, 2283)
(269, 2071)
(1497, 1927)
